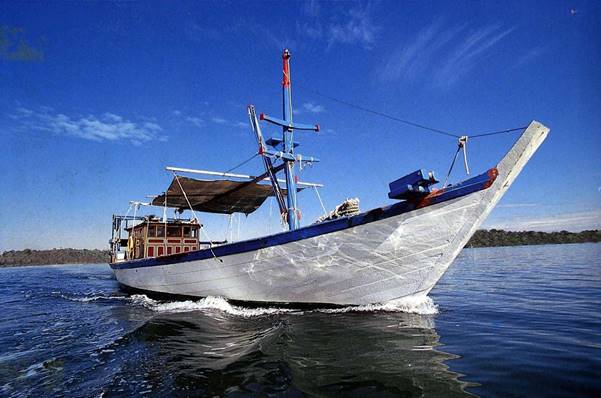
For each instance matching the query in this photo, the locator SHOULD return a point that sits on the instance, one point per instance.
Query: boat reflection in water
(321, 353)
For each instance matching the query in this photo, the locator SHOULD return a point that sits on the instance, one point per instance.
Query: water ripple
(502, 322)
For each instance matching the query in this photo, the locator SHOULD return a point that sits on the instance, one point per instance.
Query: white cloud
(196, 121)
(22, 112)
(113, 117)
(219, 120)
(275, 39)
(313, 108)
(529, 56)
(465, 56)
(225, 122)
(200, 33)
(577, 221)
(357, 28)
(353, 26)
(312, 30)
(152, 126)
(107, 127)
(441, 55)
(193, 120)
(516, 205)
(312, 8)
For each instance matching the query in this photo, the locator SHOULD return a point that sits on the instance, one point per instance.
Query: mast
(284, 147)
(288, 136)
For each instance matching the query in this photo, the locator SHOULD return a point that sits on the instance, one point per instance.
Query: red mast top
(286, 61)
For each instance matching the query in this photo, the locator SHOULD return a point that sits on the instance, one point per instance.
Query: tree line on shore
(482, 238)
(53, 256)
(498, 237)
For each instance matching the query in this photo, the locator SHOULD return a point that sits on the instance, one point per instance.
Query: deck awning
(215, 196)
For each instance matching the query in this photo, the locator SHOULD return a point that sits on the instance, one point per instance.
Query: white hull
(399, 256)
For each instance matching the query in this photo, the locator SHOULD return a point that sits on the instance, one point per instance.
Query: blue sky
(98, 97)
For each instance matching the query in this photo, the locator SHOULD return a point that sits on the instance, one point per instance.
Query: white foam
(207, 303)
(422, 305)
(87, 299)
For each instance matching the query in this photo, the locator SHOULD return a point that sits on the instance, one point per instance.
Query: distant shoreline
(482, 238)
(498, 237)
(17, 258)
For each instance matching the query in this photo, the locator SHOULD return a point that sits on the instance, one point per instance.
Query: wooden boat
(376, 256)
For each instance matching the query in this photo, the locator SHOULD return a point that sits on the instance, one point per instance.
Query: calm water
(504, 322)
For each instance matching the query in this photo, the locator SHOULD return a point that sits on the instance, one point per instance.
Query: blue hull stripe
(464, 188)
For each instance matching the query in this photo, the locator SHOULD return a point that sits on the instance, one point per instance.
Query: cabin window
(160, 251)
(194, 232)
(152, 230)
(187, 232)
(150, 251)
(178, 249)
(174, 230)
(186, 248)
(169, 249)
(160, 232)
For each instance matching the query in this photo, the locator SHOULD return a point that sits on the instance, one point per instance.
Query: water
(503, 322)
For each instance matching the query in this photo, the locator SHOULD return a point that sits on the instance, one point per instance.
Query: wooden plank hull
(396, 256)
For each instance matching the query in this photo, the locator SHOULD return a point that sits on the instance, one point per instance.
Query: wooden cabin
(153, 238)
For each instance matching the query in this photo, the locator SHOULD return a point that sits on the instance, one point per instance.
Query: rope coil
(348, 208)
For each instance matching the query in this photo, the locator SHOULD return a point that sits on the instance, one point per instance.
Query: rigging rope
(136, 207)
(325, 212)
(202, 230)
(382, 114)
(185, 196)
(451, 168)
(270, 218)
(498, 132)
(124, 219)
(408, 122)
(243, 163)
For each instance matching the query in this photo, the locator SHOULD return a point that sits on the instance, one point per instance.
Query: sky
(98, 97)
